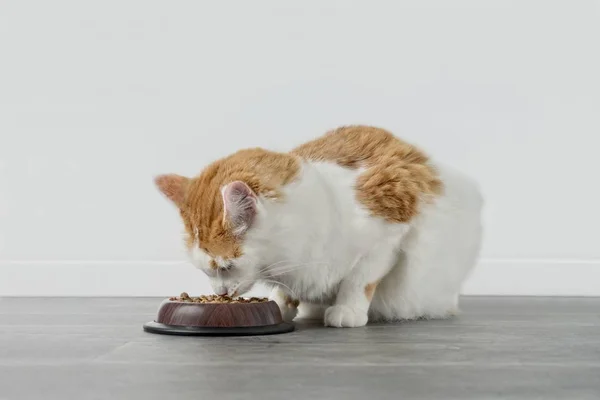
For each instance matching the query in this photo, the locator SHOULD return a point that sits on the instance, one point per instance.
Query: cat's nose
(221, 291)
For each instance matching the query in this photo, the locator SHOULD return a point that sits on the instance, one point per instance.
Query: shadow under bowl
(218, 319)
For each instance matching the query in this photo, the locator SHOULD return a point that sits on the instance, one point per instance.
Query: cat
(354, 226)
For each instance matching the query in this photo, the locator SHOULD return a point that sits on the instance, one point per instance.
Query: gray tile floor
(517, 348)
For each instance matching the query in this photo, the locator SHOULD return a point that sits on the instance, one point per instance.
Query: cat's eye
(228, 265)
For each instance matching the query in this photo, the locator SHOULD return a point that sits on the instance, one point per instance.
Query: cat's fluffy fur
(354, 225)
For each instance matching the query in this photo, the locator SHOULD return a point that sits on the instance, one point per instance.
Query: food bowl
(218, 316)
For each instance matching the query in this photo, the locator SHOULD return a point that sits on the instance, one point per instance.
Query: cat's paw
(288, 312)
(287, 306)
(341, 316)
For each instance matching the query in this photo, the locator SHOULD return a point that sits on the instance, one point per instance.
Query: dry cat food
(213, 298)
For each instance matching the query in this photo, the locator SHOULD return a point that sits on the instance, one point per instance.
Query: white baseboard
(165, 278)
(535, 277)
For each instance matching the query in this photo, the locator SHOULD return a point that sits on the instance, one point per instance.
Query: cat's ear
(173, 186)
(239, 205)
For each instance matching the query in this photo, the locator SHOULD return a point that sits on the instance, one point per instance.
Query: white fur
(437, 255)
(320, 245)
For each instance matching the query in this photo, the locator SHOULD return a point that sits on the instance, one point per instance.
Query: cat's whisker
(266, 279)
(292, 292)
(272, 268)
(275, 263)
(278, 274)
(281, 271)
(289, 268)
(280, 267)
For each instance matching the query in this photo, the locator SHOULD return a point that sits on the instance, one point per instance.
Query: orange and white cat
(352, 226)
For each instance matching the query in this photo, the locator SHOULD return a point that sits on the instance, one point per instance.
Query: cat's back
(359, 146)
(394, 176)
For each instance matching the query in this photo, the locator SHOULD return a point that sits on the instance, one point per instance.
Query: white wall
(97, 97)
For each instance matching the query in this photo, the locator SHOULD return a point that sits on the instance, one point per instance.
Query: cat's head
(222, 206)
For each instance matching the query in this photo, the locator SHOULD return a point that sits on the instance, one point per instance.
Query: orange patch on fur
(265, 172)
(397, 175)
(370, 290)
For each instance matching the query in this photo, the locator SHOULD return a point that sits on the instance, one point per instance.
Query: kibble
(213, 298)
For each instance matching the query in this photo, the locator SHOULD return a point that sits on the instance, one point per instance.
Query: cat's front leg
(287, 305)
(352, 306)
(355, 292)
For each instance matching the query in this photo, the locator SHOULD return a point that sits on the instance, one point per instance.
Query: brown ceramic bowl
(177, 317)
